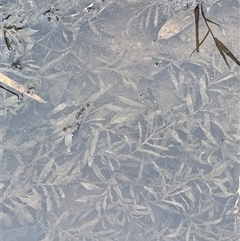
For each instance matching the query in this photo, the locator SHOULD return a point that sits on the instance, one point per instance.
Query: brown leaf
(227, 51)
(219, 46)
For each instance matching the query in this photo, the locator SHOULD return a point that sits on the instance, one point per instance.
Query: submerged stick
(20, 88)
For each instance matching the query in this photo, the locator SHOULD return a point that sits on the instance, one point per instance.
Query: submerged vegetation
(124, 149)
(220, 46)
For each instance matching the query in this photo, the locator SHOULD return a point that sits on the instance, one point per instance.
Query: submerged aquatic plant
(220, 46)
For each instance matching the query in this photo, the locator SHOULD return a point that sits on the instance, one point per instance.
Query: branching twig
(220, 46)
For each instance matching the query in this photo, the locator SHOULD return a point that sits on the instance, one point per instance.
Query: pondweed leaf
(174, 80)
(130, 102)
(176, 232)
(94, 141)
(46, 169)
(55, 196)
(174, 203)
(98, 173)
(189, 103)
(89, 186)
(68, 141)
(202, 89)
(33, 200)
(157, 147)
(118, 191)
(150, 190)
(150, 152)
(86, 199)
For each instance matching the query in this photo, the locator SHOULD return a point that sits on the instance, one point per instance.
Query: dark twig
(196, 15)
(220, 46)
(10, 91)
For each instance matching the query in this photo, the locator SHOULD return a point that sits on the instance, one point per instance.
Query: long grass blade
(200, 43)
(196, 15)
(219, 46)
(226, 51)
(207, 19)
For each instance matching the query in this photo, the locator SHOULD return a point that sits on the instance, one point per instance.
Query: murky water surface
(136, 140)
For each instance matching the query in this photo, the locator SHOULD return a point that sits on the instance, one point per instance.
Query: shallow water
(137, 141)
